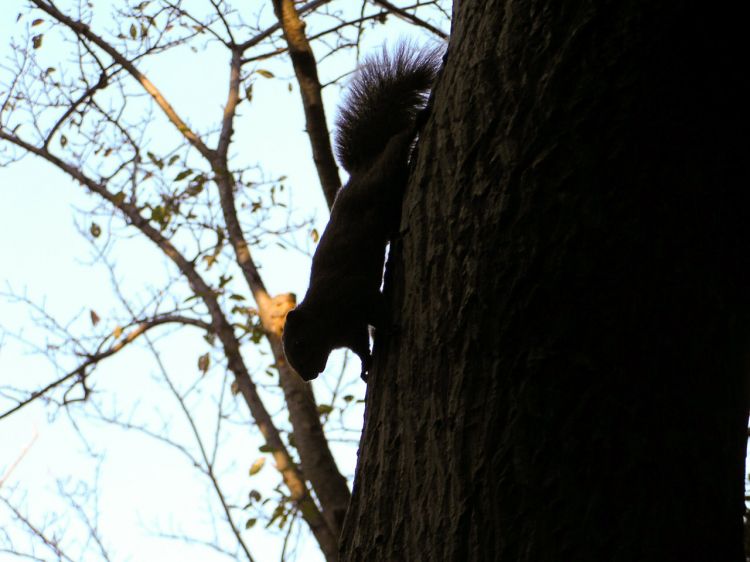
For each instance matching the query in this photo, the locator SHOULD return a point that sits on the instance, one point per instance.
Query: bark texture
(567, 379)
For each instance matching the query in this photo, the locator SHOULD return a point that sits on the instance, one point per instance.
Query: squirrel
(375, 131)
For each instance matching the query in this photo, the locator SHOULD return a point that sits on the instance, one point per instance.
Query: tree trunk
(566, 380)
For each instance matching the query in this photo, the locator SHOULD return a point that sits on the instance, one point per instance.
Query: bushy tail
(383, 100)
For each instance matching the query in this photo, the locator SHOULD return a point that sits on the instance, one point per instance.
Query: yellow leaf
(257, 465)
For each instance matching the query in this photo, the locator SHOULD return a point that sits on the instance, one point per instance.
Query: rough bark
(567, 376)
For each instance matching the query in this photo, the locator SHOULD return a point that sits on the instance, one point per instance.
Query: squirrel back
(384, 98)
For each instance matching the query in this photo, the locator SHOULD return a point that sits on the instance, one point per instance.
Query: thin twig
(94, 359)
(18, 460)
(400, 12)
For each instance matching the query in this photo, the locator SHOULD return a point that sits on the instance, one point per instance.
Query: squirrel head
(304, 348)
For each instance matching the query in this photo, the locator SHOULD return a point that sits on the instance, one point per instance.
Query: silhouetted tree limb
(306, 70)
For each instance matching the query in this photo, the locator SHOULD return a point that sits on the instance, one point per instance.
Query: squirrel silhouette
(375, 130)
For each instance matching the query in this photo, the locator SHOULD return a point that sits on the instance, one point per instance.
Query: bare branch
(225, 332)
(101, 84)
(189, 539)
(94, 359)
(208, 461)
(91, 526)
(22, 555)
(50, 543)
(230, 107)
(305, 68)
(220, 14)
(20, 457)
(304, 9)
(199, 23)
(320, 467)
(81, 29)
(204, 454)
(400, 12)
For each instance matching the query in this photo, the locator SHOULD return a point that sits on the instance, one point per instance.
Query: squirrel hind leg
(379, 316)
(361, 347)
(377, 311)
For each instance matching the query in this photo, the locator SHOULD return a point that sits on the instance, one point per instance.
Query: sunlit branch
(256, 39)
(334, 29)
(18, 460)
(318, 35)
(225, 182)
(312, 446)
(306, 71)
(230, 107)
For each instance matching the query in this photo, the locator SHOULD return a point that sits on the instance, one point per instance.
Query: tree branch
(18, 460)
(207, 461)
(101, 84)
(225, 332)
(94, 359)
(305, 68)
(320, 467)
(230, 107)
(304, 9)
(50, 543)
(81, 29)
(400, 12)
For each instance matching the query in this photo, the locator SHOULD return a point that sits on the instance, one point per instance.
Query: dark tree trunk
(567, 379)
